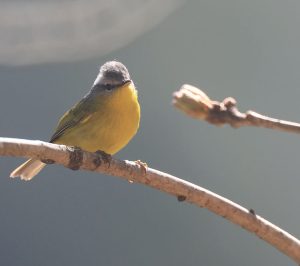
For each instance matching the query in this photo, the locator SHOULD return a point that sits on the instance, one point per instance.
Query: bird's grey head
(112, 74)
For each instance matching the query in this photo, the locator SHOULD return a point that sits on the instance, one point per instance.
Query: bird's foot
(104, 156)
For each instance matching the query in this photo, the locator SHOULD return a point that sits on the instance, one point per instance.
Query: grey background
(245, 49)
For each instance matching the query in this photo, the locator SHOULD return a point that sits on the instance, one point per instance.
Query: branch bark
(137, 172)
(195, 103)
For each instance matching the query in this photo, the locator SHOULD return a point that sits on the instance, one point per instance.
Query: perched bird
(105, 119)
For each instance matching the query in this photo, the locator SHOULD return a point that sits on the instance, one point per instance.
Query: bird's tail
(28, 170)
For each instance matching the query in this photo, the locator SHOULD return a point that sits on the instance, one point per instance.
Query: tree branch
(137, 172)
(195, 103)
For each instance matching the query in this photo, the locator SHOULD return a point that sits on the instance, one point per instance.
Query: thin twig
(137, 172)
(197, 104)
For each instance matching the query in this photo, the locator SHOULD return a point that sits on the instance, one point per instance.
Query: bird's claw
(143, 166)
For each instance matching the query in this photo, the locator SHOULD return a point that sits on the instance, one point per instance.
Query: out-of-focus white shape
(55, 31)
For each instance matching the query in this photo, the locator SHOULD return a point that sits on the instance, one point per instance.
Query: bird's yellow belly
(108, 129)
(109, 134)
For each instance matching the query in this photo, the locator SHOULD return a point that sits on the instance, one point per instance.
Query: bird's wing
(78, 113)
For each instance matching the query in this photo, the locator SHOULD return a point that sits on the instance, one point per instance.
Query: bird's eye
(107, 87)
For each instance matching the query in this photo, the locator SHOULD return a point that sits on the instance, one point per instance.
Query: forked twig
(195, 103)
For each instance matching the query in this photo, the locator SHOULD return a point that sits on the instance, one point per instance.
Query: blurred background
(50, 53)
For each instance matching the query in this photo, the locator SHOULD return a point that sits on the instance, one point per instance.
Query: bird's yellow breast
(111, 126)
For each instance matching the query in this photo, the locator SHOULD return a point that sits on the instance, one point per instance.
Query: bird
(105, 119)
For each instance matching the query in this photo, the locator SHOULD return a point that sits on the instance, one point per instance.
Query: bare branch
(137, 172)
(195, 103)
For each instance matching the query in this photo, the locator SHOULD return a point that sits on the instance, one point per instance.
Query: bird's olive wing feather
(75, 115)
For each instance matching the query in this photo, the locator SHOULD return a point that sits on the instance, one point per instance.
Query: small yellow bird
(105, 119)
